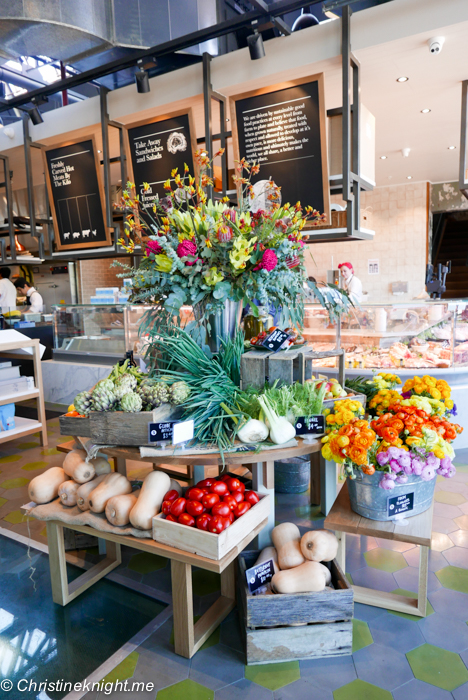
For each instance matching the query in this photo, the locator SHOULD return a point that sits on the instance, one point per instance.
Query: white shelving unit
(25, 426)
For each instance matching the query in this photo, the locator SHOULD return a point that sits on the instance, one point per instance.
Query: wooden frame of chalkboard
(271, 90)
(155, 120)
(105, 238)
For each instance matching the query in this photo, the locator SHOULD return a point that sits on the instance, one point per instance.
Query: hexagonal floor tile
(396, 633)
(186, 689)
(457, 556)
(217, 667)
(2, 501)
(362, 636)
(460, 538)
(383, 665)
(145, 563)
(418, 690)
(385, 560)
(447, 632)
(30, 445)
(210, 642)
(407, 616)
(445, 525)
(205, 582)
(360, 690)
(450, 498)
(244, 690)
(14, 483)
(462, 522)
(10, 458)
(454, 577)
(124, 670)
(17, 516)
(32, 466)
(274, 676)
(50, 451)
(440, 541)
(437, 666)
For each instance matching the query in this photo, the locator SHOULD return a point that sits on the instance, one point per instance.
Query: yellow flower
(212, 277)
(331, 418)
(241, 251)
(435, 393)
(163, 263)
(439, 453)
(326, 452)
(449, 404)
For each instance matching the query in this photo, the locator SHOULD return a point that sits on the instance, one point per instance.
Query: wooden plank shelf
(24, 426)
(19, 396)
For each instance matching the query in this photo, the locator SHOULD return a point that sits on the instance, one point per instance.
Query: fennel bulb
(253, 431)
(281, 430)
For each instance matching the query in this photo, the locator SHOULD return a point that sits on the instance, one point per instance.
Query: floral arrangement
(431, 388)
(403, 423)
(400, 464)
(201, 253)
(351, 442)
(379, 404)
(384, 380)
(345, 412)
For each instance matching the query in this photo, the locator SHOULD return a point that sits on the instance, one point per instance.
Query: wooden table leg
(263, 481)
(57, 563)
(423, 573)
(228, 581)
(327, 485)
(120, 465)
(182, 602)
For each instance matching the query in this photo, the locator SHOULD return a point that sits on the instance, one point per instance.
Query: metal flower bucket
(224, 324)
(369, 500)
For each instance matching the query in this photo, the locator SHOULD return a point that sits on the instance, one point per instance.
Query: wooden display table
(418, 530)
(188, 637)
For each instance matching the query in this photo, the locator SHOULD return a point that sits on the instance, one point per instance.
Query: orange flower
(361, 424)
(368, 469)
(346, 430)
(397, 424)
(389, 434)
(358, 454)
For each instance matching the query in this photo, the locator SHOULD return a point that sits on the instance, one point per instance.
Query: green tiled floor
(273, 676)
(385, 559)
(438, 666)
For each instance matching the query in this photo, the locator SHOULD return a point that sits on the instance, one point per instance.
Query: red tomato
(166, 507)
(194, 508)
(203, 521)
(186, 519)
(205, 483)
(171, 496)
(228, 521)
(220, 488)
(171, 518)
(241, 509)
(231, 501)
(210, 500)
(221, 509)
(178, 507)
(230, 517)
(234, 484)
(195, 494)
(224, 477)
(217, 524)
(251, 497)
(238, 495)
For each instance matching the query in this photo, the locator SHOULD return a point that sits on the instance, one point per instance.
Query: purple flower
(433, 461)
(409, 468)
(394, 452)
(402, 479)
(394, 465)
(387, 484)
(428, 473)
(417, 465)
(405, 460)
(454, 410)
(406, 395)
(382, 458)
(451, 472)
(446, 462)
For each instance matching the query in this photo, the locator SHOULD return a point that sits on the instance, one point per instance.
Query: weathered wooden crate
(208, 544)
(296, 626)
(118, 427)
(285, 366)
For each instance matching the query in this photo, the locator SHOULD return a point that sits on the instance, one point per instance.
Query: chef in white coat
(350, 282)
(33, 299)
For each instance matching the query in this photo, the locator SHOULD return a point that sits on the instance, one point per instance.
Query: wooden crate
(118, 427)
(208, 544)
(296, 626)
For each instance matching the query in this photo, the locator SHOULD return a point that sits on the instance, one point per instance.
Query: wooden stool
(418, 531)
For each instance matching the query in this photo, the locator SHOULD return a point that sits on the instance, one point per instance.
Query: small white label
(373, 267)
(182, 432)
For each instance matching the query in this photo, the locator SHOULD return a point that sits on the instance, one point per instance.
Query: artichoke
(105, 385)
(178, 393)
(160, 393)
(83, 402)
(131, 403)
(124, 385)
(103, 399)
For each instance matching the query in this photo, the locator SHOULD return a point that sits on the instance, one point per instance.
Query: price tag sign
(182, 432)
(400, 504)
(160, 432)
(275, 340)
(310, 425)
(258, 576)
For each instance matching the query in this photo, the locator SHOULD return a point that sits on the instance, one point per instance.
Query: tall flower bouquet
(202, 253)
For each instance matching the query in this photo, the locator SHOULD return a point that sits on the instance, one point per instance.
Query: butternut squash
(326, 573)
(85, 490)
(44, 488)
(113, 484)
(306, 578)
(286, 538)
(268, 553)
(155, 486)
(319, 545)
(77, 468)
(101, 465)
(176, 486)
(118, 508)
(67, 492)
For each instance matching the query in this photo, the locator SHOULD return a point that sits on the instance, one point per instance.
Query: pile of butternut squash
(297, 560)
(91, 485)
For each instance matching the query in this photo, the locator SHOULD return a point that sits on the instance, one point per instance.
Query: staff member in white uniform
(7, 291)
(351, 283)
(33, 298)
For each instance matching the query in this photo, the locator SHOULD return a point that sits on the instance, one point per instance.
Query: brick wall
(399, 219)
(97, 273)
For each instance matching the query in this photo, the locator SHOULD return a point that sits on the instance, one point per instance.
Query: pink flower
(269, 260)
(152, 247)
(230, 215)
(293, 262)
(187, 248)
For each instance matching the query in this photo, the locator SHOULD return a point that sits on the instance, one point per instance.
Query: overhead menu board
(282, 128)
(76, 195)
(157, 146)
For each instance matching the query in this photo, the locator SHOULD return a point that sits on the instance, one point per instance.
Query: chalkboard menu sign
(157, 146)
(76, 195)
(282, 128)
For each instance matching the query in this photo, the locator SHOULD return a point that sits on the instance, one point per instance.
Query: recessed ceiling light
(409, 177)
(402, 79)
(452, 148)
(426, 110)
(383, 157)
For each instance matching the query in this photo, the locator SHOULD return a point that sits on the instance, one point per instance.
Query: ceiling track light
(409, 177)
(426, 110)
(256, 47)
(402, 79)
(305, 19)
(142, 81)
(35, 116)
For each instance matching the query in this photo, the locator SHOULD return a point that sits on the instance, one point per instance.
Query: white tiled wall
(399, 218)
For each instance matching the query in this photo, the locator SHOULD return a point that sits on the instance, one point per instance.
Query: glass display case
(96, 333)
(411, 335)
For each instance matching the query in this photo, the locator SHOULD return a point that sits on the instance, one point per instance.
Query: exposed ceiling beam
(279, 23)
(279, 7)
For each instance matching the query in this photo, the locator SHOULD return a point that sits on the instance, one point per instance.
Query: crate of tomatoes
(211, 518)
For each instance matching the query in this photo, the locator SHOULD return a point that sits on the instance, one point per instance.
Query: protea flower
(224, 234)
(293, 262)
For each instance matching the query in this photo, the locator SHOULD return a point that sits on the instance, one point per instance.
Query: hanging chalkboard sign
(156, 147)
(76, 195)
(282, 128)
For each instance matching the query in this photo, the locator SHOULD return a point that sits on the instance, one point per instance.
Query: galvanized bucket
(223, 324)
(292, 475)
(369, 500)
